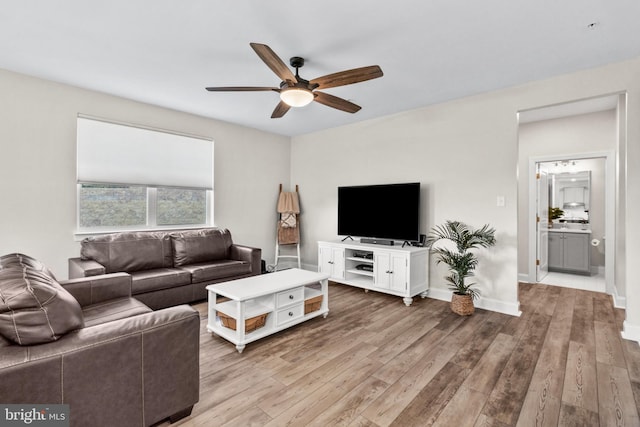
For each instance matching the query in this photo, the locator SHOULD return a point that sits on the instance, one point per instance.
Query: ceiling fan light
(296, 97)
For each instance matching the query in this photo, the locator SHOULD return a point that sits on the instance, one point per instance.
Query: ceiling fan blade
(241, 89)
(335, 102)
(348, 77)
(274, 62)
(280, 110)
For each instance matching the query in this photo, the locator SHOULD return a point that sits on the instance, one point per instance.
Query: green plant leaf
(461, 262)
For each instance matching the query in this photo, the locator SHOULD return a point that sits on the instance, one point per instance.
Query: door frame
(609, 211)
(543, 267)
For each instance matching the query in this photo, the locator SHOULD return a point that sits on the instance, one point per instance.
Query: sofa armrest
(79, 267)
(246, 253)
(146, 368)
(95, 289)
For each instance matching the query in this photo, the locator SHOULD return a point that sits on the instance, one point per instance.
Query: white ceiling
(165, 52)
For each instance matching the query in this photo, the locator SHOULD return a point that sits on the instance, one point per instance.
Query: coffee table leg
(240, 347)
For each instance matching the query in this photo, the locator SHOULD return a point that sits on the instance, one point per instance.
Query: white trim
(523, 278)
(440, 294)
(80, 235)
(510, 308)
(490, 304)
(618, 300)
(630, 332)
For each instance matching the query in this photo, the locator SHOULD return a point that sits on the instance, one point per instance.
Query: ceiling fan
(297, 92)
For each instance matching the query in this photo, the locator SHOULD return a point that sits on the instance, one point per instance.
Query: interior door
(542, 224)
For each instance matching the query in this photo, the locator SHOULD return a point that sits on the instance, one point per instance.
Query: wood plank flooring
(374, 362)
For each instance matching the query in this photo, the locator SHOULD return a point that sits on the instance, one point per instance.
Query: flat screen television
(387, 211)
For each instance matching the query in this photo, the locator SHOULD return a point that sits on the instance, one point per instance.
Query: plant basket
(462, 304)
(250, 324)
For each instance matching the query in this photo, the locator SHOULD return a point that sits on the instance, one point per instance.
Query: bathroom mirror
(571, 192)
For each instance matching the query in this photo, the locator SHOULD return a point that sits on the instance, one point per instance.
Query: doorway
(571, 222)
(574, 131)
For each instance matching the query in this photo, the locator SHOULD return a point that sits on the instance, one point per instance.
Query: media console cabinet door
(390, 271)
(331, 260)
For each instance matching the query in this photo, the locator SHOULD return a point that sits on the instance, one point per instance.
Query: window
(179, 206)
(135, 178)
(104, 205)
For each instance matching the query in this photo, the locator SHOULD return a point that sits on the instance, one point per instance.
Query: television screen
(388, 211)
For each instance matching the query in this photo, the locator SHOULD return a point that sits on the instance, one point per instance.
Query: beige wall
(37, 176)
(464, 153)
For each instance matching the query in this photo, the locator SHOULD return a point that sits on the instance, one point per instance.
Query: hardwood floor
(375, 362)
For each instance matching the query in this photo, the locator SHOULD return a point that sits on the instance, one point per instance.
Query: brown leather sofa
(168, 268)
(87, 343)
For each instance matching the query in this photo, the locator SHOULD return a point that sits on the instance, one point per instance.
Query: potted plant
(461, 261)
(554, 213)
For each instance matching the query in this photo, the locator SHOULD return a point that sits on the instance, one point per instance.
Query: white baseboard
(512, 309)
(483, 303)
(618, 300)
(522, 277)
(440, 294)
(630, 332)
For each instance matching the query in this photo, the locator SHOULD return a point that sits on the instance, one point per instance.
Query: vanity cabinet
(570, 252)
(389, 269)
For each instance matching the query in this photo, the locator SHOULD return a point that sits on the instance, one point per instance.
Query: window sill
(79, 235)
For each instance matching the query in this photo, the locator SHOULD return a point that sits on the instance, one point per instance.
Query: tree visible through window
(108, 205)
(177, 206)
(134, 206)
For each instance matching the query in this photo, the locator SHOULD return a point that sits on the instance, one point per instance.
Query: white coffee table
(280, 295)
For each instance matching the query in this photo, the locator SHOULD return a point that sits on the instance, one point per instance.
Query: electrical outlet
(500, 201)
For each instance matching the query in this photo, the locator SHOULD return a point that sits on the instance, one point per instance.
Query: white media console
(395, 270)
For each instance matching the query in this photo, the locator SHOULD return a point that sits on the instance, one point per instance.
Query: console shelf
(393, 270)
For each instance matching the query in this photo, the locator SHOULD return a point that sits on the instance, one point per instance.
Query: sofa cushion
(194, 246)
(115, 309)
(159, 278)
(34, 308)
(128, 252)
(214, 270)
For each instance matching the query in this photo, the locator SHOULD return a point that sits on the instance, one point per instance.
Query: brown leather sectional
(87, 343)
(167, 268)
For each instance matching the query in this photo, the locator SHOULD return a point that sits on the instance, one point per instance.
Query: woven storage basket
(250, 324)
(312, 304)
(462, 304)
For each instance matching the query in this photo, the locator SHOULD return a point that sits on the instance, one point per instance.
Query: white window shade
(121, 154)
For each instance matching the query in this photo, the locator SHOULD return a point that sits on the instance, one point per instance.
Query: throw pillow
(22, 260)
(34, 308)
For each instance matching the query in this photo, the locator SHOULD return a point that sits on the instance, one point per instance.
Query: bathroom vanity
(570, 250)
